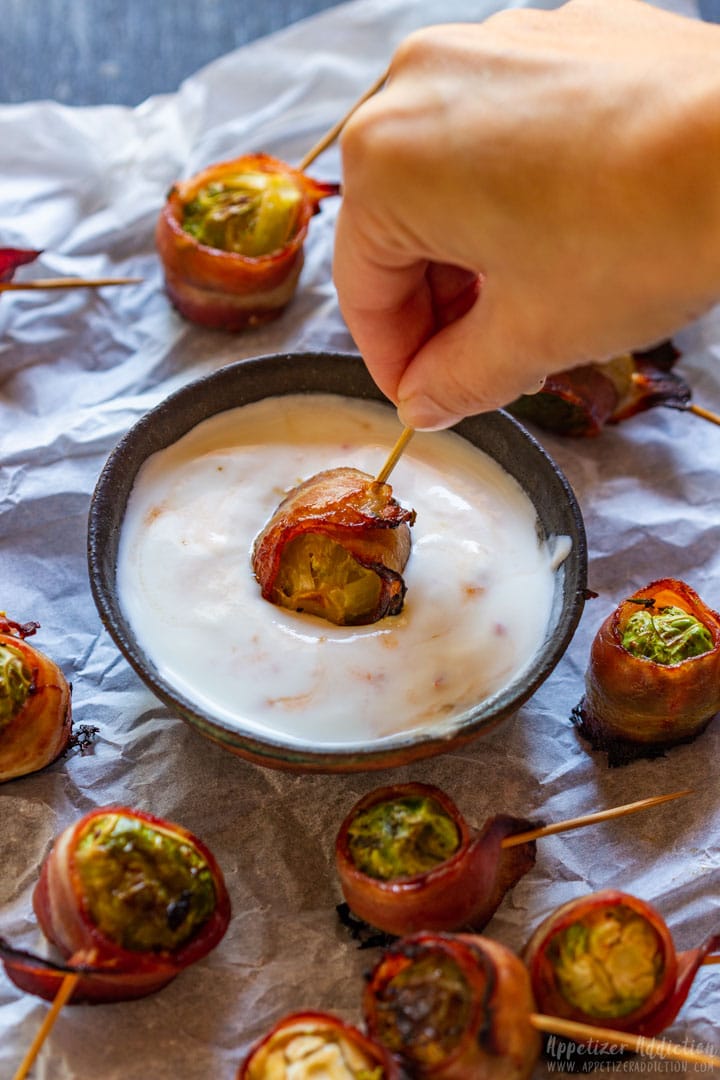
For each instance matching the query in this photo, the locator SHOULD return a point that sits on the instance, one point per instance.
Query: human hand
(528, 194)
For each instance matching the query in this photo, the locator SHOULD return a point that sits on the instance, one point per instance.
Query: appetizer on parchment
(231, 240)
(453, 1007)
(582, 401)
(317, 1046)
(128, 900)
(336, 547)
(408, 861)
(608, 959)
(35, 707)
(654, 674)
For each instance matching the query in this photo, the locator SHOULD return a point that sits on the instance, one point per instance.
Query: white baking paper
(77, 369)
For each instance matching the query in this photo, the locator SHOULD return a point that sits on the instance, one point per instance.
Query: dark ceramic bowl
(497, 434)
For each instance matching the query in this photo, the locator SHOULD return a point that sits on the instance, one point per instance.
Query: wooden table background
(94, 52)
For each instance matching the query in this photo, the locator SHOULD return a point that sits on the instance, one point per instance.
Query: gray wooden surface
(93, 52)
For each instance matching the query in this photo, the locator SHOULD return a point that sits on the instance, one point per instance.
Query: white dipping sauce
(479, 583)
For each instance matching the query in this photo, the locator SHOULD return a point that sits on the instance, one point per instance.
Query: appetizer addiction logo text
(566, 1056)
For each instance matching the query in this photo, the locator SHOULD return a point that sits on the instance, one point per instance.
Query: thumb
(475, 364)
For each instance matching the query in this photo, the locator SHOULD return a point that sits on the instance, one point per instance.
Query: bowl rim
(158, 428)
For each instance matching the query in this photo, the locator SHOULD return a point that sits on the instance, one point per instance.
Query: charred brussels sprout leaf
(252, 214)
(608, 964)
(666, 636)
(144, 888)
(318, 576)
(402, 838)
(15, 683)
(424, 1010)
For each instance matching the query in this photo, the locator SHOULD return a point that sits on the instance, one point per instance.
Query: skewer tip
(65, 992)
(394, 455)
(639, 1044)
(594, 818)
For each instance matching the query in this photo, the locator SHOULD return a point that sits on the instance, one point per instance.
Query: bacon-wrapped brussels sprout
(336, 547)
(654, 674)
(35, 707)
(129, 900)
(317, 1046)
(608, 959)
(453, 1007)
(231, 240)
(580, 402)
(408, 860)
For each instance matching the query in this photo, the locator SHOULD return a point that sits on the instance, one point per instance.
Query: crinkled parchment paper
(78, 369)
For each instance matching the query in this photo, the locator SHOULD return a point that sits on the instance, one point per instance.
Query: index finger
(385, 300)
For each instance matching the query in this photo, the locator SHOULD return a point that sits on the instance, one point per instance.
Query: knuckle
(368, 137)
(428, 46)
(523, 19)
(414, 49)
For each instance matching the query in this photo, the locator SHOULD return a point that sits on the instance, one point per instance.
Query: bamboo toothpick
(592, 819)
(553, 1025)
(66, 283)
(63, 995)
(331, 135)
(394, 456)
(714, 418)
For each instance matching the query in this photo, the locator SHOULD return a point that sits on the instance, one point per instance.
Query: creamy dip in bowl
(495, 580)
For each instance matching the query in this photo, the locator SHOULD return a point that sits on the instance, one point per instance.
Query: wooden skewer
(64, 993)
(712, 960)
(394, 456)
(331, 135)
(554, 1025)
(66, 283)
(591, 819)
(704, 413)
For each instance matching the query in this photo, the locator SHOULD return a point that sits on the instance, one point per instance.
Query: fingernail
(535, 387)
(423, 414)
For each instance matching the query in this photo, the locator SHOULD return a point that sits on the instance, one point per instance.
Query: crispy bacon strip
(11, 258)
(109, 971)
(653, 382)
(580, 402)
(37, 729)
(462, 892)
(310, 1043)
(349, 508)
(453, 1007)
(634, 706)
(224, 289)
(37, 975)
(563, 931)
